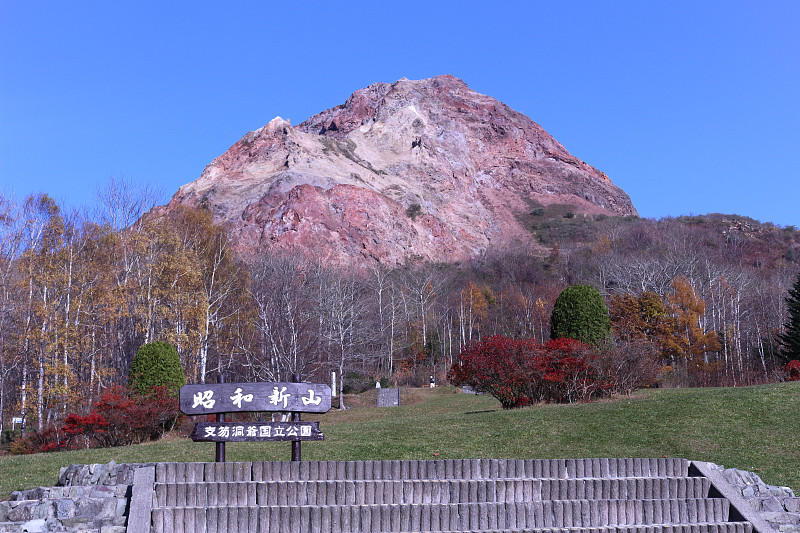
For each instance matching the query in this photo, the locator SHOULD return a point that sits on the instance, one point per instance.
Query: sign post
(296, 418)
(221, 398)
(219, 456)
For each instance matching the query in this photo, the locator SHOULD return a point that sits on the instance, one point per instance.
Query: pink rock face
(413, 170)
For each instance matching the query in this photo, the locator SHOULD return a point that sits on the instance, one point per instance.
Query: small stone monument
(389, 397)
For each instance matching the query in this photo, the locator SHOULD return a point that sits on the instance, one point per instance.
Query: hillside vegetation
(79, 297)
(750, 428)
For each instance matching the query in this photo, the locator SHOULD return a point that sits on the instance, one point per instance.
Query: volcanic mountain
(413, 170)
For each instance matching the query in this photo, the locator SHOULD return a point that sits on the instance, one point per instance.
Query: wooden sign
(255, 431)
(212, 398)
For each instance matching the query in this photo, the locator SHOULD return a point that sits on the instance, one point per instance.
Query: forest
(702, 297)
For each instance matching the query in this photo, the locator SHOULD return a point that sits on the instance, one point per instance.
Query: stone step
(725, 527)
(435, 469)
(440, 517)
(368, 492)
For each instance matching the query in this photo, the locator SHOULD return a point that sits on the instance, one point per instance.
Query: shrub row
(122, 416)
(519, 372)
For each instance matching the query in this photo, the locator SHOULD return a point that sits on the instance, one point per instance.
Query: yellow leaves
(688, 340)
(602, 245)
(683, 302)
(90, 293)
(674, 323)
(642, 317)
(474, 299)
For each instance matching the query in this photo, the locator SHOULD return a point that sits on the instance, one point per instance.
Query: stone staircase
(487, 495)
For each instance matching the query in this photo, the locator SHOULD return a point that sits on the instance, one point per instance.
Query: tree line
(80, 293)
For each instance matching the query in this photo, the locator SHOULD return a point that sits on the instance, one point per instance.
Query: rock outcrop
(424, 169)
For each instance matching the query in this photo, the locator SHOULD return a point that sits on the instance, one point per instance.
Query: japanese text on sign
(232, 397)
(254, 431)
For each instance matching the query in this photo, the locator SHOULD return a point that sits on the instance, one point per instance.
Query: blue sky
(691, 107)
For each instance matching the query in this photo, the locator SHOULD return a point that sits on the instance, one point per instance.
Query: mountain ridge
(426, 169)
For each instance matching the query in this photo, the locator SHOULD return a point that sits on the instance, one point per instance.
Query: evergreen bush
(790, 338)
(356, 383)
(580, 313)
(413, 211)
(156, 365)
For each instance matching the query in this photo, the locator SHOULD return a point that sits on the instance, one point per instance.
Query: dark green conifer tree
(580, 313)
(790, 338)
(156, 365)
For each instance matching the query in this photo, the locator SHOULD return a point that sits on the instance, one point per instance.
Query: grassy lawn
(750, 428)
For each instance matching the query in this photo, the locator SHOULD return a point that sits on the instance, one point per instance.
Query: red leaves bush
(793, 368)
(501, 367)
(519, 372)
(134, 417)
(46, 440)
(121, 417)
(79, 430)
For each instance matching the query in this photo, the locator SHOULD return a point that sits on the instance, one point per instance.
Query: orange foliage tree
(638, 318)
(688, 341)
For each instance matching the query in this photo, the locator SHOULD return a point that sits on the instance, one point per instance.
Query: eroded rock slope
(425, 170)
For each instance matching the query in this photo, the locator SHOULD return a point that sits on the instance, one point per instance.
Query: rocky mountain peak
(423, 169)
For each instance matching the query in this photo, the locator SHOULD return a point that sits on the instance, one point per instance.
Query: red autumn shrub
(793, 368)
(82, 431)
(519, 372)
(120, 417)
(48, 440)
(498, 366)
(574, 370)
(134, 417)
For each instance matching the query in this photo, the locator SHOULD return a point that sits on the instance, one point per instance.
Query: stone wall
(777, 505)
(88, 498)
